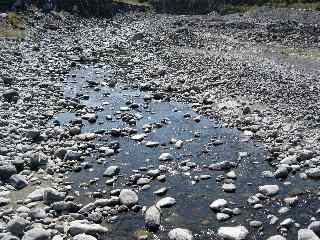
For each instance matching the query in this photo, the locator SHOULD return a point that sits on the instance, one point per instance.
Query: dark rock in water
(11, 95)
(72, 155)
(222, 166)
(6, 171)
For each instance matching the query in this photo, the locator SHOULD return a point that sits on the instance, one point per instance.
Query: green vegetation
(298, 4)
(301, 52)
(141, 233)
(144, 3)
(12, 27)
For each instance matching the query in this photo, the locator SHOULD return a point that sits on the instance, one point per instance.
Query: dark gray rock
(18, 181)
(17, 226)
(11, 95)
(36, 234)
(51, 195)
(6, 171)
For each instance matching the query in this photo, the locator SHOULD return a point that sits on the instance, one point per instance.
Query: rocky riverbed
(158, 126)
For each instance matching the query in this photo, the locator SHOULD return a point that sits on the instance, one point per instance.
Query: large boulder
(128, 197)
(153, 218)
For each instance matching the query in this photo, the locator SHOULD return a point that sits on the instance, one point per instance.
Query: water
(193, 198)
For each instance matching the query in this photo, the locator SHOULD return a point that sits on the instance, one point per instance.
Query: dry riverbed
(158, 126)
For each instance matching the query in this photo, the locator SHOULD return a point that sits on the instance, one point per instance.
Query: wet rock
(269, 190)
(83, 226)
(233, 233)
(166, 157)
(152, 144)
(138, 137)
(223, 216)
(75, 131)
(222, 166)
(166, 202)
(10, 95)
(6, 171)
(291, 200)
(153, 218)
(287, 222)
(307, 234)
(229, 187)
(18, 181)
(153, 173)
(86, 136)
(128, 197)
(255, 224)
(107, 151)
(111, 171)
(161, 191)
(218, 204)
(143, 181)
(17, 226)
(36, 234)
(180, 234)
(90, 117)
(231, 174)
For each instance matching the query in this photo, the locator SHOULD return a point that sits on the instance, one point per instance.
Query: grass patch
(141, 233)
(12, 27)
(302, 52)
(144, 3)
(297, 4)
